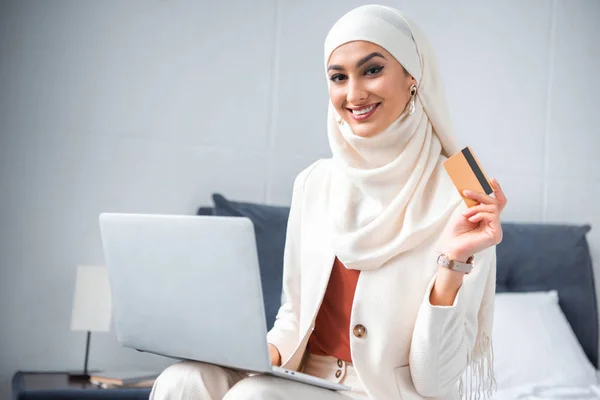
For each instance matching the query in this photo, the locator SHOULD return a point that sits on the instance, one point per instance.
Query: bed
(546, 320)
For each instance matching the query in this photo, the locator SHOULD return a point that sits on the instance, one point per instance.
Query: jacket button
(359, 330)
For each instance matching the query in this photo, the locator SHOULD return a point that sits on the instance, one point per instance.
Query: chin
(364, 130)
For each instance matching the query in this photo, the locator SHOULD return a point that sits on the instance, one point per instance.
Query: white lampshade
(92, 302)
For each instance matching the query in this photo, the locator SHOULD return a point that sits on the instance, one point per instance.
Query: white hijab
(382, 205)
(389, 192)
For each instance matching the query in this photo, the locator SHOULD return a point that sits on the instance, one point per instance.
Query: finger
(492, 221)
(499, 193)
(480, 197)
(480, 208)
(483, 216)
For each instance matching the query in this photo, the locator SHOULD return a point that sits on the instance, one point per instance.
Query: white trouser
(197, 381)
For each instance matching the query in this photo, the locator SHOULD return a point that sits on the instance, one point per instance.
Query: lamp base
(82, 376)
(78, 377)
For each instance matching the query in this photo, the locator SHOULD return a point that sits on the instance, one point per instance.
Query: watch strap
(454, 265)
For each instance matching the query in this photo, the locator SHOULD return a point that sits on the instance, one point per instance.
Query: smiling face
(369, 88)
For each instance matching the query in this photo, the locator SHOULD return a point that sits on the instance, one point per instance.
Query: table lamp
(91, 307)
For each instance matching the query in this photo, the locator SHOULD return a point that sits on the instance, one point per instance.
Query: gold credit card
(466, 173)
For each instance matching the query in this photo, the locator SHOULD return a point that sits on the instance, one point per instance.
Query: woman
(366, 301)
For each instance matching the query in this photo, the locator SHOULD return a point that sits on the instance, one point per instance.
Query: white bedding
(536, 353)
(535, 392)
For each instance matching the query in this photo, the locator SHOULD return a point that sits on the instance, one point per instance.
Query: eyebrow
(360, 62)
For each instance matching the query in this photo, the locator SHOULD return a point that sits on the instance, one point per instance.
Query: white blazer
(410, 349)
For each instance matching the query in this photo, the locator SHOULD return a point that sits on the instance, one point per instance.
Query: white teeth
(364, 110)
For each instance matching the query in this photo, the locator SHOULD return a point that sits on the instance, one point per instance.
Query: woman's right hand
(274, 356)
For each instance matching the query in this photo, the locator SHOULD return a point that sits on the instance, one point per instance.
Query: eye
(373, 70)
(337, 77)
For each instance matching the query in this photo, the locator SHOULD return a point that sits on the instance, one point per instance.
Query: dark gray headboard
(535, 257)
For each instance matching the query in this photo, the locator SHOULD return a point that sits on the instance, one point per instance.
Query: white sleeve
(444, 336)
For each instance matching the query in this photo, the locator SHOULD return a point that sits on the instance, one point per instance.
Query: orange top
(331, 336)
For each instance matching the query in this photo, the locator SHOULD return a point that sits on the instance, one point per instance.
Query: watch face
(443, 260)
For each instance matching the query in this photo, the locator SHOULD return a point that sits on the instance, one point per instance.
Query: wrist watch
(454, 265)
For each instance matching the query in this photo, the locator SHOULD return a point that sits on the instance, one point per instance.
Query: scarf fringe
(479, 374)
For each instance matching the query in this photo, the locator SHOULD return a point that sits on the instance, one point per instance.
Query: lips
(363, 113)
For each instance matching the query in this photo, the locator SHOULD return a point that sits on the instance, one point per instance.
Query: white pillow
(534, 343)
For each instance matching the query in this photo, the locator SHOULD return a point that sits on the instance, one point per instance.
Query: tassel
(479, 374)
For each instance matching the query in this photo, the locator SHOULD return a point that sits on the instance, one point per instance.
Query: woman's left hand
(478, 227)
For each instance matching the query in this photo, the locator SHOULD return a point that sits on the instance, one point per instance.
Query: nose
(356, 92)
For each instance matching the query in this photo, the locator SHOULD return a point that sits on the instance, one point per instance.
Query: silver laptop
(188, 287)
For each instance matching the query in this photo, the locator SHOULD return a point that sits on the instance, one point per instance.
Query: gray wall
(151, 106)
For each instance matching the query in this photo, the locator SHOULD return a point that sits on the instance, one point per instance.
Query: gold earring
(413, 90)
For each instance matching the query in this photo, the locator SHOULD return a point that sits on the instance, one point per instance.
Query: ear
(409, 79)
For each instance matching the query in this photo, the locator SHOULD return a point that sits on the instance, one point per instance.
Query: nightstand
(56, 385)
